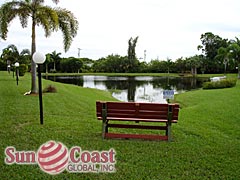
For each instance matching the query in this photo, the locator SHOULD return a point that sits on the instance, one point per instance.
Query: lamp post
(17, 71)
(39, 59)
(8, 68)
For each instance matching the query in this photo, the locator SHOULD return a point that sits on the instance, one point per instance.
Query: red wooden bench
(137, 112)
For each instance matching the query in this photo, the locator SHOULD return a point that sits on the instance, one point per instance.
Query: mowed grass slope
(206, 140)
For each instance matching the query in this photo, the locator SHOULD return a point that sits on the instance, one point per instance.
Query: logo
(54, 157)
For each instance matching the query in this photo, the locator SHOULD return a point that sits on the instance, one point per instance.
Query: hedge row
(224, 83)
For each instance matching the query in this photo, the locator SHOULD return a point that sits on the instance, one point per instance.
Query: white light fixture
(16, 64)
(39, 58)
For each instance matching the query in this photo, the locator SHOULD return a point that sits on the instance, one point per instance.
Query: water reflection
(138, 89)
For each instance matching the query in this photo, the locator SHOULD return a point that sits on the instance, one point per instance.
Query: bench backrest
(138, 110)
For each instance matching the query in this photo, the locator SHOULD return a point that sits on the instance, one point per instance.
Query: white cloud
(166, 28)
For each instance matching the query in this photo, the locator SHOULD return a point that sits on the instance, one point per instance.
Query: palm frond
(11, 10)
(68, 25)
(48, 18)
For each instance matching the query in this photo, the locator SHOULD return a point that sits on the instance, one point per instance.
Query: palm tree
(132, 53)
(223, 54)
(131, 48)
(194, 63)
(49, 18)
(47, 61)
(234, 50)
(168, 64)
(10, 54)
(55, 57)
(25, 57)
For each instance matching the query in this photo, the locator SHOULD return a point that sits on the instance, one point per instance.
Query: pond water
(137, 89)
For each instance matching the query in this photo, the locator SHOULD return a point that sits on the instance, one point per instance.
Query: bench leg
(168, 131)
(104, 128)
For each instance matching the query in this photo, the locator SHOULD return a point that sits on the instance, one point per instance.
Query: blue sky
(166, 28)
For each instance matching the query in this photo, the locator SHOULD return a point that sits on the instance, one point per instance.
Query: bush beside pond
(224, 83)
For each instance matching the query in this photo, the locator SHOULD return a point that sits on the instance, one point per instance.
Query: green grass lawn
(206, 140)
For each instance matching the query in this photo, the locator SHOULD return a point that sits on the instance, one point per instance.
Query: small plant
(224, 83)
(50, 89)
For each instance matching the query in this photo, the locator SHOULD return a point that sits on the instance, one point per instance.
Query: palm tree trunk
(54, 66)
(46, 68)
(33, 65)
(192, 71)
(195, 70)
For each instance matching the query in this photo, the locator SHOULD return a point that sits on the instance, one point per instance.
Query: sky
(166, 28)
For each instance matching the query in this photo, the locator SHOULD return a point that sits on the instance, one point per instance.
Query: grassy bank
(206, 140)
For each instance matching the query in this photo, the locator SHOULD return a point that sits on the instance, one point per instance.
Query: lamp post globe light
(39, 59)
(17, 71)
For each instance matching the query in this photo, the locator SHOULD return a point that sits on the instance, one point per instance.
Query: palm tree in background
(194, 63)
(55, 57)
(131, 48)
(25, 57)
(234, 52)
(132, 53)
(51, 19)
(223, 54)
(10, 54)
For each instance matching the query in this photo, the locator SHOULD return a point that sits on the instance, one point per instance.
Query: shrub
(22, 69)
(224, 83)
(50, 89)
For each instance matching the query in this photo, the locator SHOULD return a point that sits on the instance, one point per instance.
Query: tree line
(218, 55)
(215, 50)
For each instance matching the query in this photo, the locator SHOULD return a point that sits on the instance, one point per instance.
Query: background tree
(168, 64)
(49, 18)
(47, 61)
(223, 56)
(180, 64)
(25, 57)
(193, 62)
(111, 64)
(210, 45)
(87, 65)
(55, 57)
(10, 54)
(234, 50)
(132, 54)
(71, 65)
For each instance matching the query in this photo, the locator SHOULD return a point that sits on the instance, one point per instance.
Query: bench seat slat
(120, 105)
(138, 119)
(126, 111)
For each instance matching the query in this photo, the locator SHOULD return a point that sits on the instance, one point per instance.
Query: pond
(137, 89)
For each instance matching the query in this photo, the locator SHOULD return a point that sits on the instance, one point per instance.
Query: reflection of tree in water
(130, 85)
(178, 83)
